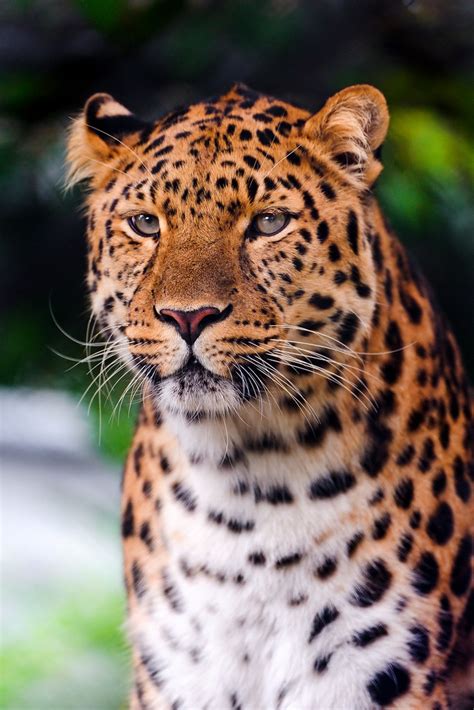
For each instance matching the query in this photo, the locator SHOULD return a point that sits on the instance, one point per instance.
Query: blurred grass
(53, 668)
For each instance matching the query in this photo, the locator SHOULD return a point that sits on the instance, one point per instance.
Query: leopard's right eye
(144, 224)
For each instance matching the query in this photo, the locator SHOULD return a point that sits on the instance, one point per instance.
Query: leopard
(296, 503)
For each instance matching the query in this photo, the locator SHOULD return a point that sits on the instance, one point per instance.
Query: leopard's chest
(255, 607)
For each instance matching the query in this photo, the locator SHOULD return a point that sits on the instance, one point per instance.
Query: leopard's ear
(352, 125)
(103, 126)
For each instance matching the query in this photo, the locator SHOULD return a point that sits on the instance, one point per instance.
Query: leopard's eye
(146, 225)
(269, 223)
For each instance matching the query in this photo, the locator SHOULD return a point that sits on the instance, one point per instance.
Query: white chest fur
(251, 614)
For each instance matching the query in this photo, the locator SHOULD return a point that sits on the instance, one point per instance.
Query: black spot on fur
(348, 328)
(321, 620)
(425, 574)
(364, 638)
(321, 302)
(446, 624)
(322, 231)
(376, 579)
(461, 569)
(327, 568)
(440, 526)
(419, 644)
(354, 543)
(389, 684)
(128, 521)
(257, 558)
(405, 546)
(461, 483)
(321, 663)
(288, 560)
(335, 483)
(184, 496)
(381, 526)
(403, 494)
(353, 232)
(438, 484)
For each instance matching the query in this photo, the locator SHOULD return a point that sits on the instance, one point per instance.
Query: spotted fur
(296, 501)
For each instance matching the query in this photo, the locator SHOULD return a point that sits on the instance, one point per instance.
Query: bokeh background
(62, 601)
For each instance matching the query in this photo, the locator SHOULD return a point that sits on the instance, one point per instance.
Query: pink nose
(190, 324)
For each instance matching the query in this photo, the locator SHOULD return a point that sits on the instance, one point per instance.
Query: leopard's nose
(190, 324)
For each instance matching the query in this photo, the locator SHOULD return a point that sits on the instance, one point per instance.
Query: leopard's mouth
(194, 390)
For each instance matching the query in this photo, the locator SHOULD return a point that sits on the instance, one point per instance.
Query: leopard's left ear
(95, 135)
(352, 125)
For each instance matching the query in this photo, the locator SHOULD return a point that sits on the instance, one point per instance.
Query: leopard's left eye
(146, 225)
(269, 223)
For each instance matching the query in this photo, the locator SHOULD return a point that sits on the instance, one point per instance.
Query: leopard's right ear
(96, 134)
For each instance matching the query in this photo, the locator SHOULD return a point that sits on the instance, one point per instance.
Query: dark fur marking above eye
(252, 187)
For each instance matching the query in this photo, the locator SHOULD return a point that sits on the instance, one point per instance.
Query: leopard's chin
(196, 392)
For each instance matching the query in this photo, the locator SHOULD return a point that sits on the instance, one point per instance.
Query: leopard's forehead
(255, 127)
(239, 115)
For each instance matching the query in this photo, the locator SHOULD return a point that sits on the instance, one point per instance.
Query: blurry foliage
(154, 54)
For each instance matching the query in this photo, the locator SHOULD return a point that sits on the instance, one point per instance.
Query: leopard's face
(223, 238)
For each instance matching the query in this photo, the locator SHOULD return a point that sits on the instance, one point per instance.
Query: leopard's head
(228, 249)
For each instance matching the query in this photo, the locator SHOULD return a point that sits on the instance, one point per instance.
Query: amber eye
(269, 223)
(146, 225)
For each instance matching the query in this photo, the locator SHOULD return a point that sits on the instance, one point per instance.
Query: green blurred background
(65, 648)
